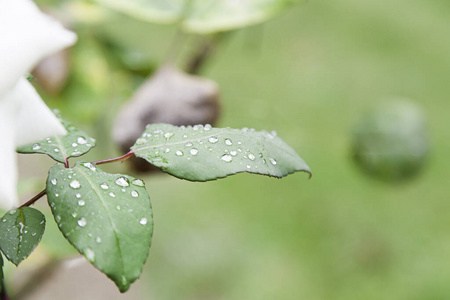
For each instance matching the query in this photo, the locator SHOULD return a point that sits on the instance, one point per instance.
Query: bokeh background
(310, 74)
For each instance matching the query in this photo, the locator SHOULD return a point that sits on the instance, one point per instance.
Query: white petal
(34, 120)
(26, 36)
(8, 169)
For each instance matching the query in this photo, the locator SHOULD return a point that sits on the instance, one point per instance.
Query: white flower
(26, 36)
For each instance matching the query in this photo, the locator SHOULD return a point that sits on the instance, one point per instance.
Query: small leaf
(202, 17)
(74, 143)
(106, 217)
(22, 230)
(202, 153)
(1, 275)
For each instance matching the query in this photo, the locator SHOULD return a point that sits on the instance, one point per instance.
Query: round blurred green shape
(391, 142)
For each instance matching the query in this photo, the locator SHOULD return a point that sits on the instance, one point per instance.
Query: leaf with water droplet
(201, 154)
(100, 215)
(74, 143)
(21, 229)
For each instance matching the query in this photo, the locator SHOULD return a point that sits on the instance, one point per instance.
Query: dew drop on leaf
(122, 181)
(228, 142)
(251, 156)
(82, 222)
(213, 139)
(75, 184)
(104, 186)
(273, 161)
(81, 202)
(54, 181)
(179, 153)
(227, 158)
(143, 221)
(138, 182)
(81, 140)
(112, 194)
(134, 194)
(36, 147)
(194, 151)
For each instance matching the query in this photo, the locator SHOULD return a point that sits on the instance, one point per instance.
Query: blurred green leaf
(106, 217)
(202, 16)
(74, 143)
(22, 230)
(202, 153)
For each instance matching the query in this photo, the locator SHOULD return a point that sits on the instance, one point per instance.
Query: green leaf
(21, 230)
(106, 217)
(1, 275)
(202, 153)
(201, 16)
(74, 143)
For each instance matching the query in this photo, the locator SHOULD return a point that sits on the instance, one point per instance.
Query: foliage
(203, 17)
(108, 217)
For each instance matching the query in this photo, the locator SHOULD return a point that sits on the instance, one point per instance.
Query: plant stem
(110, 160)
(34, 199)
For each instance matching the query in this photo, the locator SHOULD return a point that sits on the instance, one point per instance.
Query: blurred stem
(204, 51)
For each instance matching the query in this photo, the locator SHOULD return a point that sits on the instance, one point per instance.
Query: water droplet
(122, 181)
(143, 221)
(56, 150)
(213, 139)
(78, 195)
(124, 280)
(194, 151)
(90, 166)
(197, 127)
(75, 184)
(74, 214)
(112, 194)
(118, 207)
(141, 141)
(134, 194)
(179, 153)
(228, 142)
(90, 255)
(227, 158)
(81, 140)
(74, 144)
(138, 182)
(168, 135)
(207, 127)
(233, 153)
(54, 181)
(81, 202)
(251, 156)
(82, 222)
(36, 147)
(248, 166)
(58, 218)
(167, 150)
(273, 161)
(98, 239)
(188, 144)
(104, 186)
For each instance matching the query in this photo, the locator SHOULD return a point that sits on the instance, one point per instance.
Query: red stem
(110, 160)
(34, 199)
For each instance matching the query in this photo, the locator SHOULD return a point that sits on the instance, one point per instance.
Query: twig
(110, 160)
(34, 199)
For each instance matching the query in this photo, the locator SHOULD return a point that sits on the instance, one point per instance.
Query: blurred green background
(309, 74)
